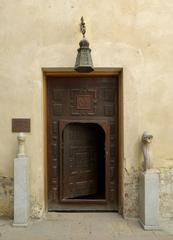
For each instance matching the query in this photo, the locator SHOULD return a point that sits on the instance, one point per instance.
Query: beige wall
(134, 34)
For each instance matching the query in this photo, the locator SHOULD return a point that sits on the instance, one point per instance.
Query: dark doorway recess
(82, 143)
(83, 173)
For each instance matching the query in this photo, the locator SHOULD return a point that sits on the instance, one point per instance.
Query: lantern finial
(83, 59)
(82, 27)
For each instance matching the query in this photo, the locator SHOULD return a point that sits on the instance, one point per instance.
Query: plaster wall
(133, 34)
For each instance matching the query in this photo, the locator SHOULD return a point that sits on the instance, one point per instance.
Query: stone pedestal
(21, 191)
(149, 200)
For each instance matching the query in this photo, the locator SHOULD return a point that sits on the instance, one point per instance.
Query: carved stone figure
(21, 145)
(146, 141)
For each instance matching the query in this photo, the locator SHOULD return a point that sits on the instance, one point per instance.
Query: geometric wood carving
(109, 110)
(109, 95)
(58, 94)
(83, 102)
(57, 109)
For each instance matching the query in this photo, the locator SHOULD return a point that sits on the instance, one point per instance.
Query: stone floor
(84, 226)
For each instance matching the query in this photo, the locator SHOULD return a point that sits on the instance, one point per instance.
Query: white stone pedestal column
(149, 200)
(21, 185)
(21, 191)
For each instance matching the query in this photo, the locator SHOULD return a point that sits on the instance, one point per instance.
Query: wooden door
(76, 107)
(79, 162)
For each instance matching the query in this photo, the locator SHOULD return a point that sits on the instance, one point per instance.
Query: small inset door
(84, 150)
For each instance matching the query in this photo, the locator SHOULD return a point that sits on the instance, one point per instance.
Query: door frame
(105, 126)
(64, 72)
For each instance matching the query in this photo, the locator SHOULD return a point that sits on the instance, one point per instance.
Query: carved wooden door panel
(79, 161)
(76, 146)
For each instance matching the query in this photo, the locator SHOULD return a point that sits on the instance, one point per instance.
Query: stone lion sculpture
(146, 141)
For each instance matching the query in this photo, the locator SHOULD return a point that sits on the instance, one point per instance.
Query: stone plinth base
(20, 225)
(21, 191)
(149, 200)
(149, 228)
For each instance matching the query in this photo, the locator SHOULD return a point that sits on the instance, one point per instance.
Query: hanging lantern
(83, 60)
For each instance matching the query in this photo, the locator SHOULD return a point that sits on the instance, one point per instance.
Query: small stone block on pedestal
(149, 200)
(21, 191)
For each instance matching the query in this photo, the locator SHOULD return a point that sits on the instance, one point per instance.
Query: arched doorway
(83, 161)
